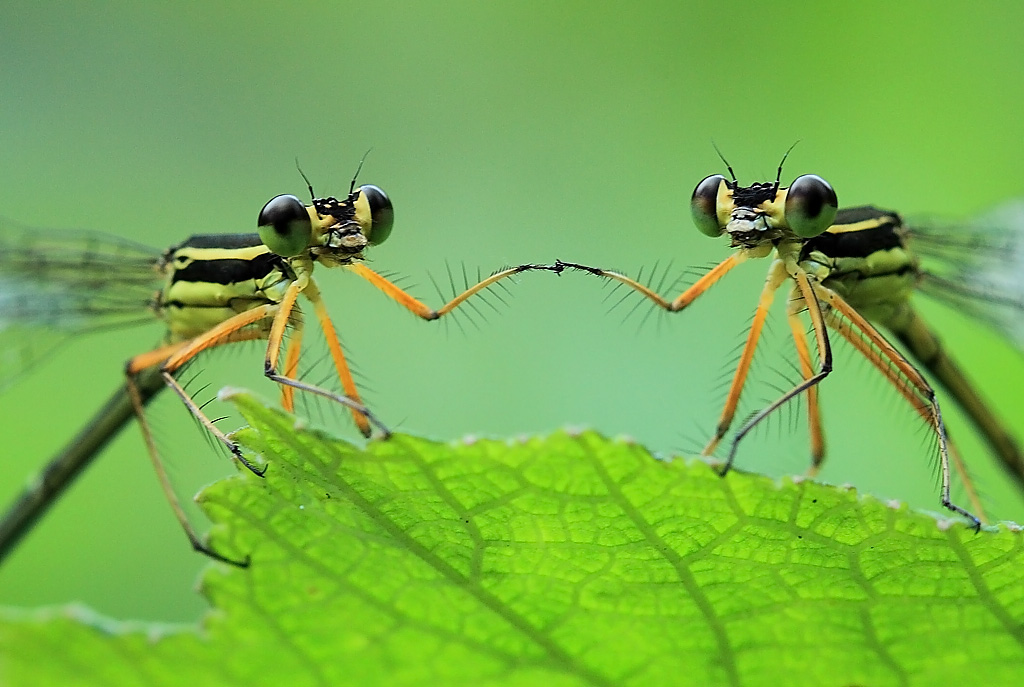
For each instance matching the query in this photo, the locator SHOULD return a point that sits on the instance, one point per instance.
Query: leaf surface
(568, 560)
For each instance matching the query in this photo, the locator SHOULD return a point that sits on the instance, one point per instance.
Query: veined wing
(57, 283)
(978, 267)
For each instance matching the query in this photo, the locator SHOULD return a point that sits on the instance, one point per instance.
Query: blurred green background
(504, 133)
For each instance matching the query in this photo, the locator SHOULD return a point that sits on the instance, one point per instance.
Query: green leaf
(570, 560)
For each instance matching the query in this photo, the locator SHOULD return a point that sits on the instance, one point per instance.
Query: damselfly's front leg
(681, 301)
(419, 308)
(171, 358)
(777, 274)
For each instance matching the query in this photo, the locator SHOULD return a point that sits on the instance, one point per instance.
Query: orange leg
(218, 335)
(291, 363)
(803, 285)
(813, 407)
(170, 358)
(682, 300)
(348, 385)
(420, 308)
(887, 356)
(279, 323)
(363, 417)
(235, 328)
(776, 277)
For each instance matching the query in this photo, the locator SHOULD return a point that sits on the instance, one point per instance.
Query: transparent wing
(978, 268)
(56, 283)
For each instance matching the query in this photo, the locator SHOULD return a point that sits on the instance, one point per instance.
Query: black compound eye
(811, 206)
(382, 213)
(704, 205)
(284, 226)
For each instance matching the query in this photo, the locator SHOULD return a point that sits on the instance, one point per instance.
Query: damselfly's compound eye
(379, 212)
(284, 226)
(811, 206)
(704, 205)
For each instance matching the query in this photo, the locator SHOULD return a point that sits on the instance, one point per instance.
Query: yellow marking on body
(192, 254)
(775, 209)
(872, 223)
(724, 203)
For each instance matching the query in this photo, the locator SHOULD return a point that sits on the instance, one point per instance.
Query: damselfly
(210, 290)
(849, 268)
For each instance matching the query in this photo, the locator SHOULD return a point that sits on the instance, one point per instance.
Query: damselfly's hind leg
(172, 357)
(913, 387)
(135, 393)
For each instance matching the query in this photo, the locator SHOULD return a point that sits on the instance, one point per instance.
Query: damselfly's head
(329, 230)
(763, 213)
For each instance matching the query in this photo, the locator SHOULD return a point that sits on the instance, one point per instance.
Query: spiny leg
(824, 354)
(138, 403)
(348, 384)
(421, 309)
(170, 359)
(363, 417)
(291, 362)
(233, 329)
(777, 275)
(915, 334)
(682, 300)
(911, 390)
(198, 413)
(815, 430)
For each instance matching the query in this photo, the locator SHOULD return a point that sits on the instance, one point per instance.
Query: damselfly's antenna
(727, 165)
(778, 175)
(352, 186)
(312, 196)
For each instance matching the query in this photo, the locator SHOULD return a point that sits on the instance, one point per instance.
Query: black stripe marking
(898, 272)
(856, 244)
(231, 303)
(229, 270)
